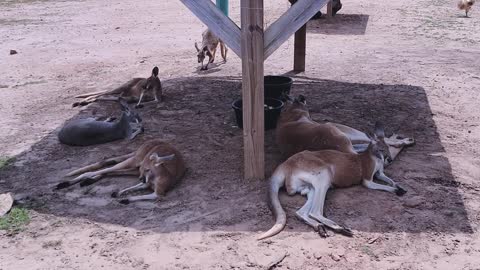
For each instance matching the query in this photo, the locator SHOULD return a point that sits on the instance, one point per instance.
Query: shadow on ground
(340, 24)
(198, 119)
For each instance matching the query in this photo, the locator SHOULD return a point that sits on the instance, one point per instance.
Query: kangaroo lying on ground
(209, 47)
(313, 173)
(296, 132)
(159, 165)
(89, 131)
(132, 91)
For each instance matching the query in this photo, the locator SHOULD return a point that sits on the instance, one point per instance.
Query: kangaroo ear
(158, 159)
(154, 156)
(369, 136)
(196, 47)
(370, 146)
(123, 104)
(379, 130)
(287, 96)
(302, 99)
(155, 71)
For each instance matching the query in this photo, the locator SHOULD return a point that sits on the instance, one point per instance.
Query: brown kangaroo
(159, 165)
(209, 47)
(296, 131)
(132, 91)
(313, 173)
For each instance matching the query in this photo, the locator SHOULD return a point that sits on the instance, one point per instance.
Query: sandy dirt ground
(412, 64)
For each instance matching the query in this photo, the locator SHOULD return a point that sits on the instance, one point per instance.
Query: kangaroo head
(128, 114)
(202, 53)
(300, 100)
(294, 110)
(152, 81)
(155, 169)
(378, 147)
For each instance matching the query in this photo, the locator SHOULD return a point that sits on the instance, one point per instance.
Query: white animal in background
(466, 5)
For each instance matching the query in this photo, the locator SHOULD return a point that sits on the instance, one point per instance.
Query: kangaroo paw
(63, 185)
(88, 182)
(322, 231)
(400, 191)
(124, 201)
(345, 231)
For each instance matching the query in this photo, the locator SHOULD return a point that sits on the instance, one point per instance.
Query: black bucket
(276, 86)
(273, 108)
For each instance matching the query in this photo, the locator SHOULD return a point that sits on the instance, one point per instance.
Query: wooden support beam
(330, 9)
(252, 88)
(217, 22)
(299, 51)
(295, 17)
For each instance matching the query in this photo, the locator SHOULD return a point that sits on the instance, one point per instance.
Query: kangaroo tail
(276, 182)
(98, 93)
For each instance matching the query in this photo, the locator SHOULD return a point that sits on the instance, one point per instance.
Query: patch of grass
(5, 161)
(15, 221)
(368, 251)
(52, 244)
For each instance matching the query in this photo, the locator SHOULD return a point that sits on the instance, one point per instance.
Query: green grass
(15, 221)
(368, 251)
(5, 161)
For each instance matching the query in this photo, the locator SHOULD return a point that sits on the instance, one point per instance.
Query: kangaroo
(209, 47)
(466, 5)
(159, 165)
(336, 6)
(133, 91)
(296, 131)
(90, 131)
(312, 173)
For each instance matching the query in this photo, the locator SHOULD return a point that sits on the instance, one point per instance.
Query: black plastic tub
(272, 112)
(276, 86)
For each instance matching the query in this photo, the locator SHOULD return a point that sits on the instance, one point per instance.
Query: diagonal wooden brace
(292, 20)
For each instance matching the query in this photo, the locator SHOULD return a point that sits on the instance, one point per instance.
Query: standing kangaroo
(89, 131)
(209, 47)
(132, 91)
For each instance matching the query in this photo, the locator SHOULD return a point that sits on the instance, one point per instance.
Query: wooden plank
(217, 22)
(252, 88)
(299, 50)
(295, 17)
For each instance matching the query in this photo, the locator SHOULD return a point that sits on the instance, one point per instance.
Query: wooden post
(330, 9)
(252, 88)
(299, 49)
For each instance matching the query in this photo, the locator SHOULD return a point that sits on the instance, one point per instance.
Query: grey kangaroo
(90, 131)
